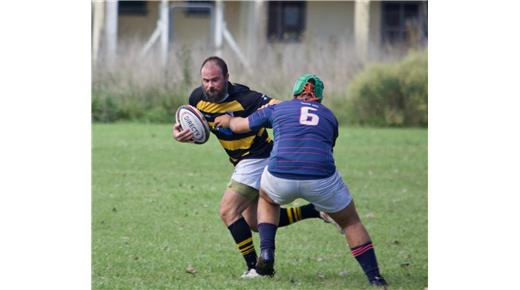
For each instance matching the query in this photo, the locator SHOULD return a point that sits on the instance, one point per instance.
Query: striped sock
(366, 257)
(244, 239)
(294, 214)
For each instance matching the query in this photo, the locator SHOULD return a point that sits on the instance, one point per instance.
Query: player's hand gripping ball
(191, 118)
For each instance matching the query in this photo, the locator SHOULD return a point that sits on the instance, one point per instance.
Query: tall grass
(133, 87)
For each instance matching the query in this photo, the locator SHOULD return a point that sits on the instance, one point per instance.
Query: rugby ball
(191, 118)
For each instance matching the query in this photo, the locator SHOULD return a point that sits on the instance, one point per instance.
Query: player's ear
(226, 77)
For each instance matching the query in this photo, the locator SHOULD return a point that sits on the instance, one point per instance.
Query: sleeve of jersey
(259, 100)
(194, 98)
(261, 118)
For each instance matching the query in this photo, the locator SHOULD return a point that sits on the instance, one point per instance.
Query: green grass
(155, 212)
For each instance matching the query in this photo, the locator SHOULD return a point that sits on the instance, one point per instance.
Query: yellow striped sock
(246, 241)
(290, 215)
(246, 246)
(299, 210)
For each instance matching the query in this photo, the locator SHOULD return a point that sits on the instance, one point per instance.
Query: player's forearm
(239, 125)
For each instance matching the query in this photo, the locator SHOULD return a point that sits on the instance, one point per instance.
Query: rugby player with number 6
(301, 165)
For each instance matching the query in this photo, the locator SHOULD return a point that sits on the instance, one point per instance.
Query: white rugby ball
(191, 118)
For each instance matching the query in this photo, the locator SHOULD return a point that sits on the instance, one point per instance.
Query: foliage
(391, 94)
(151, 105)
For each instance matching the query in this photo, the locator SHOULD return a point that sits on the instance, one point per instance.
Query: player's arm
(259, 119)
(239, 125)
(236, 124)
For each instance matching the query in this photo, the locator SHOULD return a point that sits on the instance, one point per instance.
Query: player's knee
(351, 214)
(228, 213)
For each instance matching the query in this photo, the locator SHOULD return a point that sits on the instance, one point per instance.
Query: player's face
(214, 83)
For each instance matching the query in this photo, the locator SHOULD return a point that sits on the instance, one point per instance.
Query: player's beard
(216, 96)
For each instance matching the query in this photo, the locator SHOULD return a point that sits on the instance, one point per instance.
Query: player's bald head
(215, 61)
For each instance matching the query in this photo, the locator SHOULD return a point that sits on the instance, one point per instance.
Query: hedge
(393, 95)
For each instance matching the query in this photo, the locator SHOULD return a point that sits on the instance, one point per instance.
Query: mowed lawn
(155, 205)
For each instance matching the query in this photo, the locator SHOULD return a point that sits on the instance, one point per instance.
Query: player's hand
(222, 121)
(184, 136)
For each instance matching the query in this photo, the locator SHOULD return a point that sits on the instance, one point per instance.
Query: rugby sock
(267, 235)
(293, 214)
(366, 257)
(244, 239)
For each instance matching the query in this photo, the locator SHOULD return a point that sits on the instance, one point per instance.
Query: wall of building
(138, 26)
(326, 21)
(190, 29)
(329, 21)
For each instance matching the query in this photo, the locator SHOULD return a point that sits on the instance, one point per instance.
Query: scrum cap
(299, 85)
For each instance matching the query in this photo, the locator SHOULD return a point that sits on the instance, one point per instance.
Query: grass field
(155, 213)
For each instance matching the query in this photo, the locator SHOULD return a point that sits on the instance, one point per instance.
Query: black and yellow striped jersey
(241, 102)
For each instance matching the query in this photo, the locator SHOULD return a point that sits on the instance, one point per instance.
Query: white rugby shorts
(329, 194)
(249, 171)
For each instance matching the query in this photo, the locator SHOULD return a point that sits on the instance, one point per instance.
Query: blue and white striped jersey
(304, 136)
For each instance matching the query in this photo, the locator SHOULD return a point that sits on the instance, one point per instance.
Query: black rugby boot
(265, 264)
(379, 281)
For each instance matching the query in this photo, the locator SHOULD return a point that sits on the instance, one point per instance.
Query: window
(132, 8)
(286, 20)
(404, 22)
(194, 11)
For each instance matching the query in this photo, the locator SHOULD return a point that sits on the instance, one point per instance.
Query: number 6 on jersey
(308, 118)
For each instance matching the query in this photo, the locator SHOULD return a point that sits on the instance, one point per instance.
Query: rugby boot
(265, 263)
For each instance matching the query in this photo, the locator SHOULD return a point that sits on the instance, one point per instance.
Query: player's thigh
(281, 191)
(328, 194)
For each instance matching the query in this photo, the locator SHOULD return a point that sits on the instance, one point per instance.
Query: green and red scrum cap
(300, 83)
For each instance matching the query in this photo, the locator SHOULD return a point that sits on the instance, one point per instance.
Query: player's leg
(251, 194)
(292, 215)
(349, 221)
(360, 243)
(287, 216)
(268, 217)
(238, 208)
(340, 206)
(331, 195)
(273, 192)
(268, 210)
(231, 207)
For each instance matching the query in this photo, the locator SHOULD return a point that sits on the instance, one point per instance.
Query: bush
(391, 94)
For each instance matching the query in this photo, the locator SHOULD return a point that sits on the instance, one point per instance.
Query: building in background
(249, 25)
